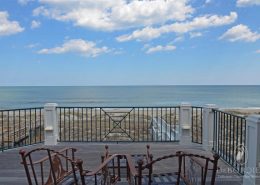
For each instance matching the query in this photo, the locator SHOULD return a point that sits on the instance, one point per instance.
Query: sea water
(107, 96)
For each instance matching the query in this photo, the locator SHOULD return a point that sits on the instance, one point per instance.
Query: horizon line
(128, 85)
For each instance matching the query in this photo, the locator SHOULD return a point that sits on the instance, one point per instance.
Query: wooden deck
(12, 172)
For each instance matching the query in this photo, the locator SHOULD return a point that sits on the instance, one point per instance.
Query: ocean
(107, 96)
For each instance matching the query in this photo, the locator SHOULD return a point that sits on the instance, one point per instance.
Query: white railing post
(252, 163)
(185, 123)
(208, 126)
(51, 132)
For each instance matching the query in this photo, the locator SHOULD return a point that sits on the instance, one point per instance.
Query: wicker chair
(135, 157)
(48, 167)
(190, 169)
(199, 169)
(119, 163)
(105, 174)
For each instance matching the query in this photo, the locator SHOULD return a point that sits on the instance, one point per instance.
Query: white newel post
(185, 122)
(208, 126)
(51, 132)
(252, 165)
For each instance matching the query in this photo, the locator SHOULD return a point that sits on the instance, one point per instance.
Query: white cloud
(83, 47)
(240, 33)
(24, 2)
(208, 1)
(35, 24)
(179, 39)
(195, 34)
(147, 33)
(33, 45)
(243, 3)
(109, 15)
(257, 51)
(8, 27)
(160, 48)
(198, 23)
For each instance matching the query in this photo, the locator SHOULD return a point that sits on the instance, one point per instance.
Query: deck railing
(20, 127)
(229, 139)
(138, 124)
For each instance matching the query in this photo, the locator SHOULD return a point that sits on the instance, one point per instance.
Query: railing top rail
(163, 106)
(200, 107)
(17, 109)
(231, 114)
(114, 107)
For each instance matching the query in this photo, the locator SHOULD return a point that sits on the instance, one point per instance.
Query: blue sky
(120, 42)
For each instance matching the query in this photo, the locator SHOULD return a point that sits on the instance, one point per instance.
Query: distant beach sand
(243, 111)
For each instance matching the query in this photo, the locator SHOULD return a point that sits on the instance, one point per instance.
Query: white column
(252, 163)
(185, 115)
(51, 131)
(208, 126)
(185, 122)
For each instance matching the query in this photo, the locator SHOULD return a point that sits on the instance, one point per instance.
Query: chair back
(108, 172)
(44, 166)
(152, 178)
(185, 168)
(199, 169)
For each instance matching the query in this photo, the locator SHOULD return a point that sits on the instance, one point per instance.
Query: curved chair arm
(60, 152)
(61, 165)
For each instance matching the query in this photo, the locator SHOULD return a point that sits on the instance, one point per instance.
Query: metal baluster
(73, 125)
(152, 124)
(59, 109)
(201, 127)
(3, 145)
(147, 124)
(19, 125)
(134, 124)
(87, 126)
(236, 137)
(69, 124)
(14, 127)
(161, 123)
(82, 126)
(197, 132)
(8, 134)
(30, 131)
(64, 128)
(40, 124)
(91, 124)
(192, 125)
(100, 125)
(78, 125)
(96, 122)
(25, 130)
(35, 128)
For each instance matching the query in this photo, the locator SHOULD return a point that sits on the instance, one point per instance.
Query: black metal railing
(229, 139)
(20, 127)
(196, 124)
(95, 124)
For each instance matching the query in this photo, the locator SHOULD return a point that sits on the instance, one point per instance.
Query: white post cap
(253, 118)
(211, 106)
(185, 104)
(50, 106)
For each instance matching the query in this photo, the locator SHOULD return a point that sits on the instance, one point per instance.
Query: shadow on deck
(12, 172)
